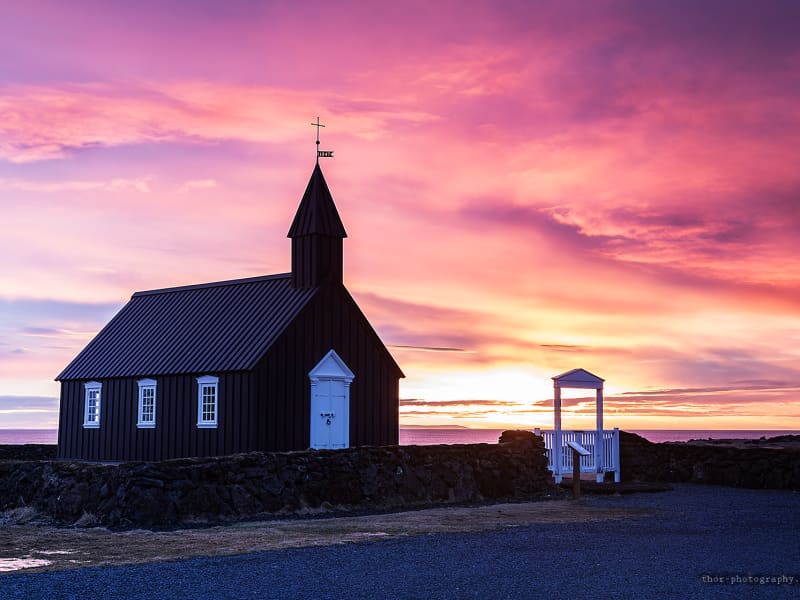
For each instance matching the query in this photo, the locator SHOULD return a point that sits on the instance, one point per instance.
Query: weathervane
(321, 153)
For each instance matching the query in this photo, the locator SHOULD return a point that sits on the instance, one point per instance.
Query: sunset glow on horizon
(527, 188)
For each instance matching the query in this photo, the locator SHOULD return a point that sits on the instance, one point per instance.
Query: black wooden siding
(264, 409)
(176, 433)
(330, 320)
(316, 260)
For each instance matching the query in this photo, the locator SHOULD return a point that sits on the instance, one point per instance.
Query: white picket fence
(609, 461)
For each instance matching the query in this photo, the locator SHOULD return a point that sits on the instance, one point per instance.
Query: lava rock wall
(203, 490)
(748, 467)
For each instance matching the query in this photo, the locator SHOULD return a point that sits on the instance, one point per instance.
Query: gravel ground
(698, 531)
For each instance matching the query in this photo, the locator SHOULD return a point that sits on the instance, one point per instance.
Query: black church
(272, 363)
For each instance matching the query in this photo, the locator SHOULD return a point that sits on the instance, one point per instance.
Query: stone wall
(748, 467)
(202, 490)
(28, 452)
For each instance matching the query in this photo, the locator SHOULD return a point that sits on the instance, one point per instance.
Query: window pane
(209, 405)
(147, 404)
(92, 406)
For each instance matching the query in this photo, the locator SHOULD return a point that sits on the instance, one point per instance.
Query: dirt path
(44, 548)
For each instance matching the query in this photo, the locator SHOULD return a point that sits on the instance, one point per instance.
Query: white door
(329, 412)
(330, 403)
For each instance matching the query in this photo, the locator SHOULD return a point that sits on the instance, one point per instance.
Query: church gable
(369, 331)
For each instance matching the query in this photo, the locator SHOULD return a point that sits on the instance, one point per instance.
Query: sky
(527, 187)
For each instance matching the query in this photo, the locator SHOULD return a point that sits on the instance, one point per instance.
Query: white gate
(587, 439)
(330, 403)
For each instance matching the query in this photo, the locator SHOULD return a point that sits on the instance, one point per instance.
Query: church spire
(317, 233)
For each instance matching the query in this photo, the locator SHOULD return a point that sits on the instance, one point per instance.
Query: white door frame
(331, 368)
(578, 379)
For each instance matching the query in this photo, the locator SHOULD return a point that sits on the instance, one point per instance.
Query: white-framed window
(91, 404)
(147, 404)
(207, 401)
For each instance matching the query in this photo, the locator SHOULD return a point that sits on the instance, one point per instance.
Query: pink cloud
(541, 186)
(41, 123)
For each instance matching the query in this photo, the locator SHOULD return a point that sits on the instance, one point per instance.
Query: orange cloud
(527, 188)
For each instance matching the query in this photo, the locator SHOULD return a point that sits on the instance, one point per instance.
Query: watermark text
(741, 579)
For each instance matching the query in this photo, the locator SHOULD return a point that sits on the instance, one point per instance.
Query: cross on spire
(317, 125)
(321, 153)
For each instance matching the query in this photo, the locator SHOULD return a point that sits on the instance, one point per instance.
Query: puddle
(15, 564)
(28, 562)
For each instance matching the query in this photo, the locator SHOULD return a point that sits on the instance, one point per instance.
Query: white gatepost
(599, 450)
(558, 462)
(580, 379)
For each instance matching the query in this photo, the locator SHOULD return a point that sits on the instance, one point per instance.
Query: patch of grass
(67, 548)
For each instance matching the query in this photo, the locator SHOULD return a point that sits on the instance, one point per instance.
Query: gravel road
(697, 531)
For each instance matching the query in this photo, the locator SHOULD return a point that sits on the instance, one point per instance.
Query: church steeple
(317, 233)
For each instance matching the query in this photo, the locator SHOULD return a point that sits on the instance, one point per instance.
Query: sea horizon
(432, 435)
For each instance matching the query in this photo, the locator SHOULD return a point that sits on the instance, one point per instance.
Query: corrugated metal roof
(317, 213)
(213, 327)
